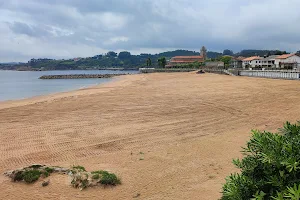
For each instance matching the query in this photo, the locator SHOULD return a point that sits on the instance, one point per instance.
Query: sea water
(24, 84)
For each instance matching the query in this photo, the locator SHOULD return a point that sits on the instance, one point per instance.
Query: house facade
(287, 61)
(237, 62)
(268, 61)
(252, 62)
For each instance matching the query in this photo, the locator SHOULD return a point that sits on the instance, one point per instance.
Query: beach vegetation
(31, 176)
(45, 173)
(31, 173)
(35, 166)
(49, 170)
(82, 180)
(95, 176)
(79, 168)
(105, 177)
(79, 180)
(97, 172)
(109, 179)
(270, 168)
(18, 176)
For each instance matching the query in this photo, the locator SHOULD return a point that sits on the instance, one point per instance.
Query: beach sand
(167, 135)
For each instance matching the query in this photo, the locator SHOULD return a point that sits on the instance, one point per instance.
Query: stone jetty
(79, 76)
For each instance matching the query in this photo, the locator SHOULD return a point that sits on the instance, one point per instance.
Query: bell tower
(203, 52)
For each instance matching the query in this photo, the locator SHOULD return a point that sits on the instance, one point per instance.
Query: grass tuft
(80, 177)
(79, 168)
(35, 166)
(95, 176)
(98, 172)
(18, 176)
(31, 176)
(109, 179)
(49, 170)
(46, 174)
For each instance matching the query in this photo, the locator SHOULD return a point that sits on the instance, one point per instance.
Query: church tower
(203, 52)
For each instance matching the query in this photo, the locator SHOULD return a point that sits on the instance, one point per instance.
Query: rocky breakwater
(79, 76)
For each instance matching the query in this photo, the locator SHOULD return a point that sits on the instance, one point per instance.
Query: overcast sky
(81, 28)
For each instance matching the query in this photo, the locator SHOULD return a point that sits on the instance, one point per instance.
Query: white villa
(285, 61)
(288, 61)
(251, 62)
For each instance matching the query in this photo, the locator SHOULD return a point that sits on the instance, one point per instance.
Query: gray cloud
(30, 30)
(71, 28)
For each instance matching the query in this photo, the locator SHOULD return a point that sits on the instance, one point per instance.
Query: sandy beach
(167, 135)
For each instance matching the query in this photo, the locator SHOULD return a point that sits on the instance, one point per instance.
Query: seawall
(79, 76)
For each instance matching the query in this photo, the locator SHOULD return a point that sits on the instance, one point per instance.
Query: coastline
(167, 135)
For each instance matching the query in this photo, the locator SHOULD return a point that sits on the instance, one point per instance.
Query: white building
(252, 62)
(288, 61)
(268, 61)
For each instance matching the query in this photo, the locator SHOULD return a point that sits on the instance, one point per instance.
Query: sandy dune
(168, 136)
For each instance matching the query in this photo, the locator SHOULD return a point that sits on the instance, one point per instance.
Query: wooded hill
(113, 60)
(122, 60)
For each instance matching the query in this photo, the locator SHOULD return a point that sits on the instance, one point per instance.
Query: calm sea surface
(19, 85)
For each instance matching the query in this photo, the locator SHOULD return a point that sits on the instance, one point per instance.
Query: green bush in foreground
(31, 176)
(270, 168)
(82, 180)
(18, 176)
(109, 179)
(106, 178)
(49, 170)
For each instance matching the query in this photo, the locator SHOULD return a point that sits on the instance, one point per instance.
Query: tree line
(126, 60)
(112, 59)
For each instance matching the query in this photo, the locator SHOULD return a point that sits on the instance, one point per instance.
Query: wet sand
(167, 135)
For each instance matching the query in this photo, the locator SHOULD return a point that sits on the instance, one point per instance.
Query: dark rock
(79, 76)
(45, 183)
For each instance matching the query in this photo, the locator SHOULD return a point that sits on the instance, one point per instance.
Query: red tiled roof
(240, 58)
(185, 59)
(285, 56)
(198, 57)
(252, 58)
(182, 61)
